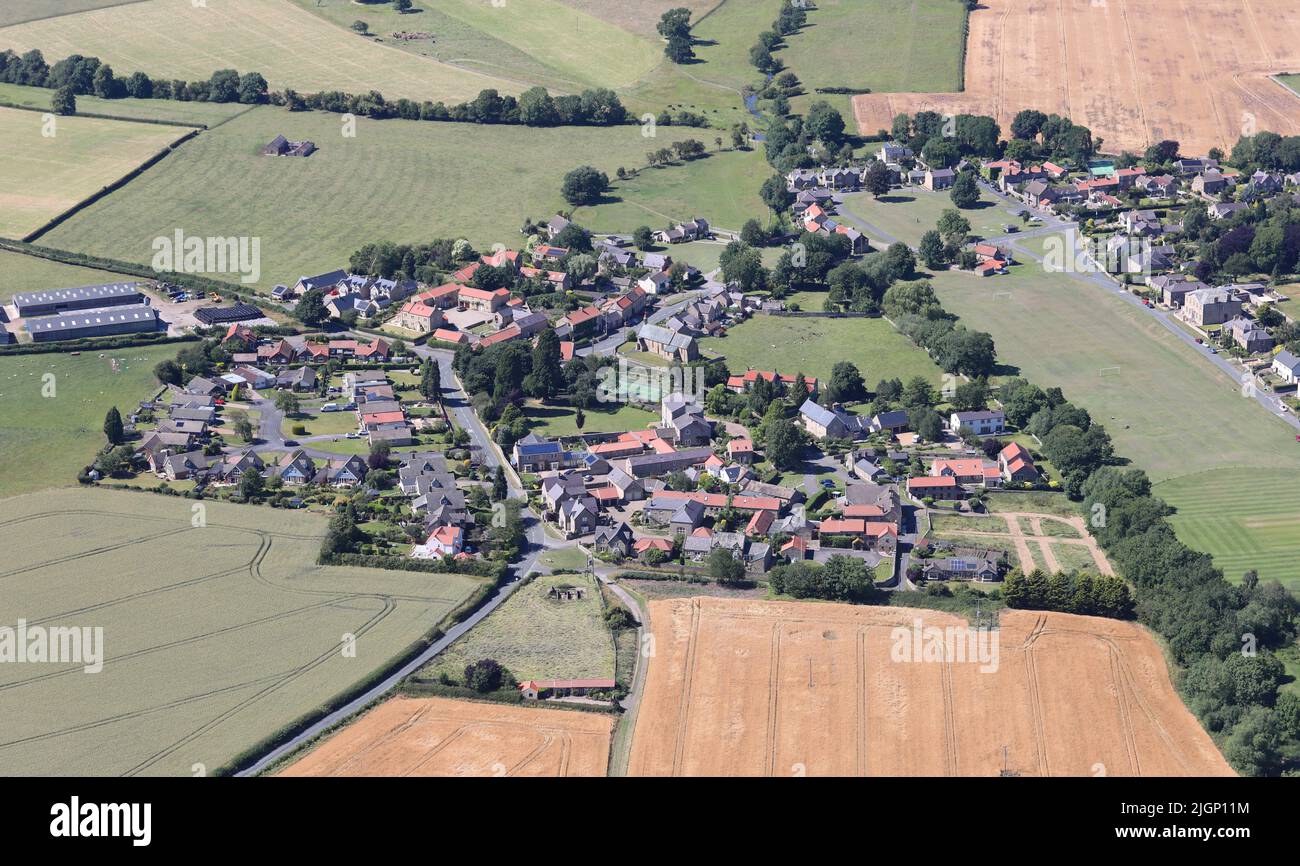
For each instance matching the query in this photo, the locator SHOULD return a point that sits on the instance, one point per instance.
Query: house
(1174, 292)
(660, 464)
(207, 387)
(347, 472)
(532, 690)
(967, 470)
(981, 423)
(937, 179)
(832, 423)
(667, 345)
(615, 539)
(861, 534)
(893, 422)
(1210, 183)
(740, 384)
(943, 487)
(1247, 334)
(655, 283)
(981, 566)
(696, 229)
(1223, 210)
(1210, 307)
(1287, 367)
(892, 151)
(741, 450)
(417, 316)
(643, 546)
(482, 300)
(685, 419)
(1015, 464)
(444, 540)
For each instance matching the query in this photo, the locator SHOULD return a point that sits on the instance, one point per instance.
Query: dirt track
(774, 688)
(1134, 71)
(441, 737)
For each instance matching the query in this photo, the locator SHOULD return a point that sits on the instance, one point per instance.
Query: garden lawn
(561, 420)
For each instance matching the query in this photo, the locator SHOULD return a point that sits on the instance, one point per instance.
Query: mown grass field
(537, 637)
(20, 273)
(198, 113)
(403, 181)
(287, 44)
(215, 636)
(44, 441)
(15, 11)
(1170, 412)
(906, 214)
(883, 45)
(1246, 518)
(812, 346)
(721, 187)
(1292, 82)
(49, 169)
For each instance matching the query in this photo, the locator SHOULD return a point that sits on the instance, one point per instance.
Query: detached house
(982, 423)
(666, 344)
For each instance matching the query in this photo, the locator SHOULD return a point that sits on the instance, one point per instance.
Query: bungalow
(341, 473)
(448, 335)
(696, 229)
(643, 546)
(295, 469)
(982, 423)
(548, 253)
(984, 567)
(320, 281)
(532, 690)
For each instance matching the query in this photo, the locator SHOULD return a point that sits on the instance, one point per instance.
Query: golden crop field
(214, 636)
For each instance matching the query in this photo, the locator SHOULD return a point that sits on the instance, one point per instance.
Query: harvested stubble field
(750, 688)
(49, 169)
(1096, 63)
(442, 737)
(214, 637)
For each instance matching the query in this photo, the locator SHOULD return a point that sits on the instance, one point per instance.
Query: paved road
(610, 344)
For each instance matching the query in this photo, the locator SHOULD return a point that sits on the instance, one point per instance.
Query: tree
(113, 426)
(64, 101)
(241, 425)
(644, 238)
(762, 59)
(953, 227)
(931, 249)
(105, 85)
(877, 179)
(379, 455)
(1027, 124)
(311, 308)
(675, 27)
(402, 6)
(499, 488)
(252, 88)
(965, 191)
(825, 123)
(547, 376)
(776, 194)
(287, 402)
(846, 384)
(784, 443)
(360, 26)
(584, 186)
(251, 485)
(753, 234)
(485, 675)
(168, 372)
(724, 567)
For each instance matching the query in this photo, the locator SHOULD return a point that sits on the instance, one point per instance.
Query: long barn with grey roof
(52, 301)
(93, 323)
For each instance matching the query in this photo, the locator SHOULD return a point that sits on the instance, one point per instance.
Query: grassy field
(1032, 500)
(321, 423)
(813, 346)
(908, 213)
(1292, 82)
(966, 523)
(198, 113)
(51, 168)
(20, 273)
(17, 11)
(403, 181)
(722, 188)
(287, 44)
(883, 45)
(44, 441)
(537, 637)
(561, 420)
(1167, 409)
(214, 636)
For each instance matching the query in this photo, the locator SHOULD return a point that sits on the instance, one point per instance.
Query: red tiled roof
(941, 481)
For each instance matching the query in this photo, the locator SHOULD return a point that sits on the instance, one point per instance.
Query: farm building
(534, 689)
(94, 323)
(281, 146)
(225, 315)
(48, 303)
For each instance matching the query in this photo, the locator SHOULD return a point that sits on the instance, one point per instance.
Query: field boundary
(157, 121)
(72, 12)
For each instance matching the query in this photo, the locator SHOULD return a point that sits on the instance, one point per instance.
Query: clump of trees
(842, 578)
